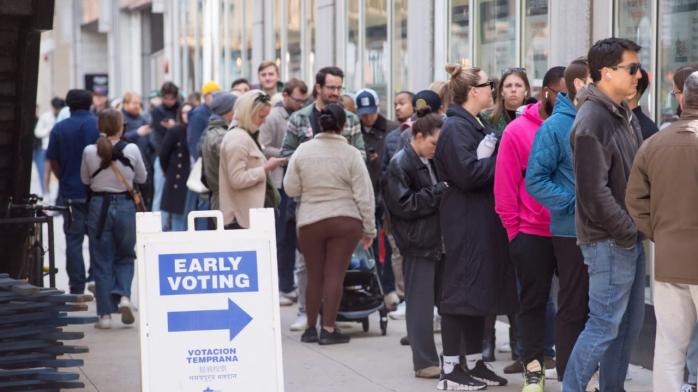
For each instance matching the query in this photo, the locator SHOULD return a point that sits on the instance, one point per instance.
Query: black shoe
(482, 372)
(309, 336)
(404, 341)
(334, 337)
(459, 380)
(488, 350)
(515, 368)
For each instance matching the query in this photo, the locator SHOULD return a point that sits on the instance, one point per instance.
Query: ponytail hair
(110, 123)
(461, 80)
(332, 118)
(427, 125)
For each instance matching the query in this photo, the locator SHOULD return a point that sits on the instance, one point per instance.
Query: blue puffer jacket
(550, 173)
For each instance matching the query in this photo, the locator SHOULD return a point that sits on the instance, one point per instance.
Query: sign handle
(216, 214)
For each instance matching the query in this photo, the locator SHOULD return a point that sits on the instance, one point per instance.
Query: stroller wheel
(364, 324)
(384, 321)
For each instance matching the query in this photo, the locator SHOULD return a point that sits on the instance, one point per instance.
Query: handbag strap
(121, 178)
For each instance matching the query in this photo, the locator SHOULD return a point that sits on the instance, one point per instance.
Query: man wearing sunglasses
(605, 138)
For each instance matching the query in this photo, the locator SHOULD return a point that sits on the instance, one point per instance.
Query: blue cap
(366, 102)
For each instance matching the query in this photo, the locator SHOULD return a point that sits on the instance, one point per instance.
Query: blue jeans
(39, 156)
(114, 251)
(174, 222)
(692, 357)
(75, 229)
(616, 312)
(158, 184)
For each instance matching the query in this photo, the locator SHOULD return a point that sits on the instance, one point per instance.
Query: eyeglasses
(513, 69)
(335, 88)
(263, 98)
(489, 83)
(631, 68)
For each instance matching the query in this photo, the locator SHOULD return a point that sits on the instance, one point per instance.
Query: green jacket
(299, 130)
(210, 154)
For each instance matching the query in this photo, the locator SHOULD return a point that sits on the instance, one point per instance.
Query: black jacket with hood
(605, 137)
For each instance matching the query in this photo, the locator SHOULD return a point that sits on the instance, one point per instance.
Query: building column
(258, 38)
(324, 33)
(570, 19)
(420, 45)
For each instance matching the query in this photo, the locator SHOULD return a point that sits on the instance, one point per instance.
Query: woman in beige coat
(243, 170)
(336, 211)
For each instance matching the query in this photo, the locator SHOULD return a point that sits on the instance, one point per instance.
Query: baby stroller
(363, 294)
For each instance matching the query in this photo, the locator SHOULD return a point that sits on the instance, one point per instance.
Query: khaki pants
(396, 260)
(675, 306)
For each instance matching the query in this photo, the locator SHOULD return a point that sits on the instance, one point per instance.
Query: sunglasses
(631, 68)
(485, 84)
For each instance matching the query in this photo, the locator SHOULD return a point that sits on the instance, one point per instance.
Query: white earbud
(546, 95)
(608, 75)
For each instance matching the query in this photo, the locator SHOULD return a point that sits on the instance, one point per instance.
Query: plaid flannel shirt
(299, 130)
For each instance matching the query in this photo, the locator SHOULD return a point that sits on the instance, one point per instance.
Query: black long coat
(478, 277)
(175, 162)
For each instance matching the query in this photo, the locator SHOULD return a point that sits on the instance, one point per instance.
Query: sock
(472, 359)
(450, 362)
(534, 366)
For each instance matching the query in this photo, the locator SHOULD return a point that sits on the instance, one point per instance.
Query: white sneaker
(399, 313)
(104, 322)
(504, 348)
(593, 384)
(391, 300)
(292, 295)
(283, 301)
(91, 288)
(301, 323)
(126, 311)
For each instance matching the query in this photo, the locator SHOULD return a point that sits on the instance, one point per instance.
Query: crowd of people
(488, 196)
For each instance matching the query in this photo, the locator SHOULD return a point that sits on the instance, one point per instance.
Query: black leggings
(457, 329)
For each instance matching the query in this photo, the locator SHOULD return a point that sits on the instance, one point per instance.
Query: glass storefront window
(310, 34)
(459, 34)
(634, 21)
(496, 38)
(235, 39)
(377, 50)
(678, 46)
(278, 11)
(192, 41)
(353, 60)
(248, 67)
(294, 52)
(536, 37)
(400, 67)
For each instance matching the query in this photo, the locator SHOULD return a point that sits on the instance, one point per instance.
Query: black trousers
(534, 261)
(457, 330)
(420, 276)
(572, 299)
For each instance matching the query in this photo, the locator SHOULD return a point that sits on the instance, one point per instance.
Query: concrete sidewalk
(370, 362)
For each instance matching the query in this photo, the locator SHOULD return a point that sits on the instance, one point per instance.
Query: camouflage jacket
(299, 130)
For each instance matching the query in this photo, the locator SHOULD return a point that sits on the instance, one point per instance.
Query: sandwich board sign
(209, 314)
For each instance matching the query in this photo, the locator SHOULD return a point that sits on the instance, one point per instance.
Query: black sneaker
(334, 337)
(309, 336)
(404, 341)
(482, 372)
(459, 380)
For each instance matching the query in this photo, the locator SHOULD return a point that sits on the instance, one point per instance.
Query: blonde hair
(129, 96)
(247, 106)
(440, 87)
(460, 82)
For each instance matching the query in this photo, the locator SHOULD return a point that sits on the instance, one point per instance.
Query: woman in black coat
(476, 267)
(175, 162)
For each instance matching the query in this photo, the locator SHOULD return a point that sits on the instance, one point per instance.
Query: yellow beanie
(210, 87)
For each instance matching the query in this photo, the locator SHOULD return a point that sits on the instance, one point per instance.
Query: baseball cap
(366, 102)
(424, 99)
(210, 87)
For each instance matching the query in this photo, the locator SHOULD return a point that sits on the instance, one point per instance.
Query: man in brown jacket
(661, 197)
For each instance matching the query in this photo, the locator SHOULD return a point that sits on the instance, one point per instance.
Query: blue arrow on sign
(233, 319)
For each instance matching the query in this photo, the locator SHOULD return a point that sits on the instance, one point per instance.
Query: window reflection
(377, 50)
(535, 39)
(634, 22)
(293, 53)
(497, 35)
(459, 38)
(235, 39)
(352, 74)
(400, 66)
(678, 46)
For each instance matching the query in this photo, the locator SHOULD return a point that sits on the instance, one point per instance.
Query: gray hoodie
(605, 137)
